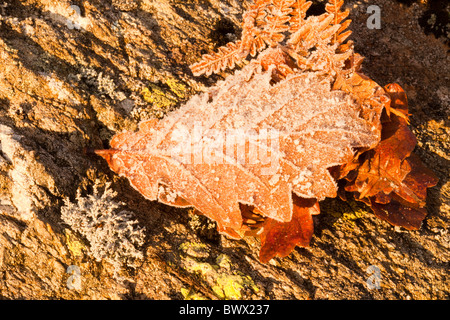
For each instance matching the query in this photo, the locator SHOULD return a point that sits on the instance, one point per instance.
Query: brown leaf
(258, 151)
(399, 215)
(226, 57)
(280, 238)
(390, 178)
(399, 101)
(216, 152)
(298, 14)
(406, 207)
(384, 168)
(283, 24)
(418, 180)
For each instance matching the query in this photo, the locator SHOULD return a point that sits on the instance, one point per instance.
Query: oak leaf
(391, 178)
(280, 238)
(247, 141)
(259, 150)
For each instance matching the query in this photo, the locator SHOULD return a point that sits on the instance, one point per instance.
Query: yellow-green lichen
(230, 286)
(195, 249)
(158, 98)
(345, 211)
(354, 210)
(75, 247)
(164, 99)
(224, 261)
(188, 294)
(353, 214)
(221, 275)
(177, 87)
(204, 268)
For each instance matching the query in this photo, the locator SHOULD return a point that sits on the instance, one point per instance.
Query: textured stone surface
(69, 81)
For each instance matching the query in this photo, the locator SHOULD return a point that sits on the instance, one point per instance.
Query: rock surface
(71, 77)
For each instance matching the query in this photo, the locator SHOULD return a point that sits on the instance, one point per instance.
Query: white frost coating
(274, 180)
(307, 185)
(302, 178)
(170, 195)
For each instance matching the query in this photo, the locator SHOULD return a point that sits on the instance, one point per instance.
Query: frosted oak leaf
(260, 149)
(194, 156)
